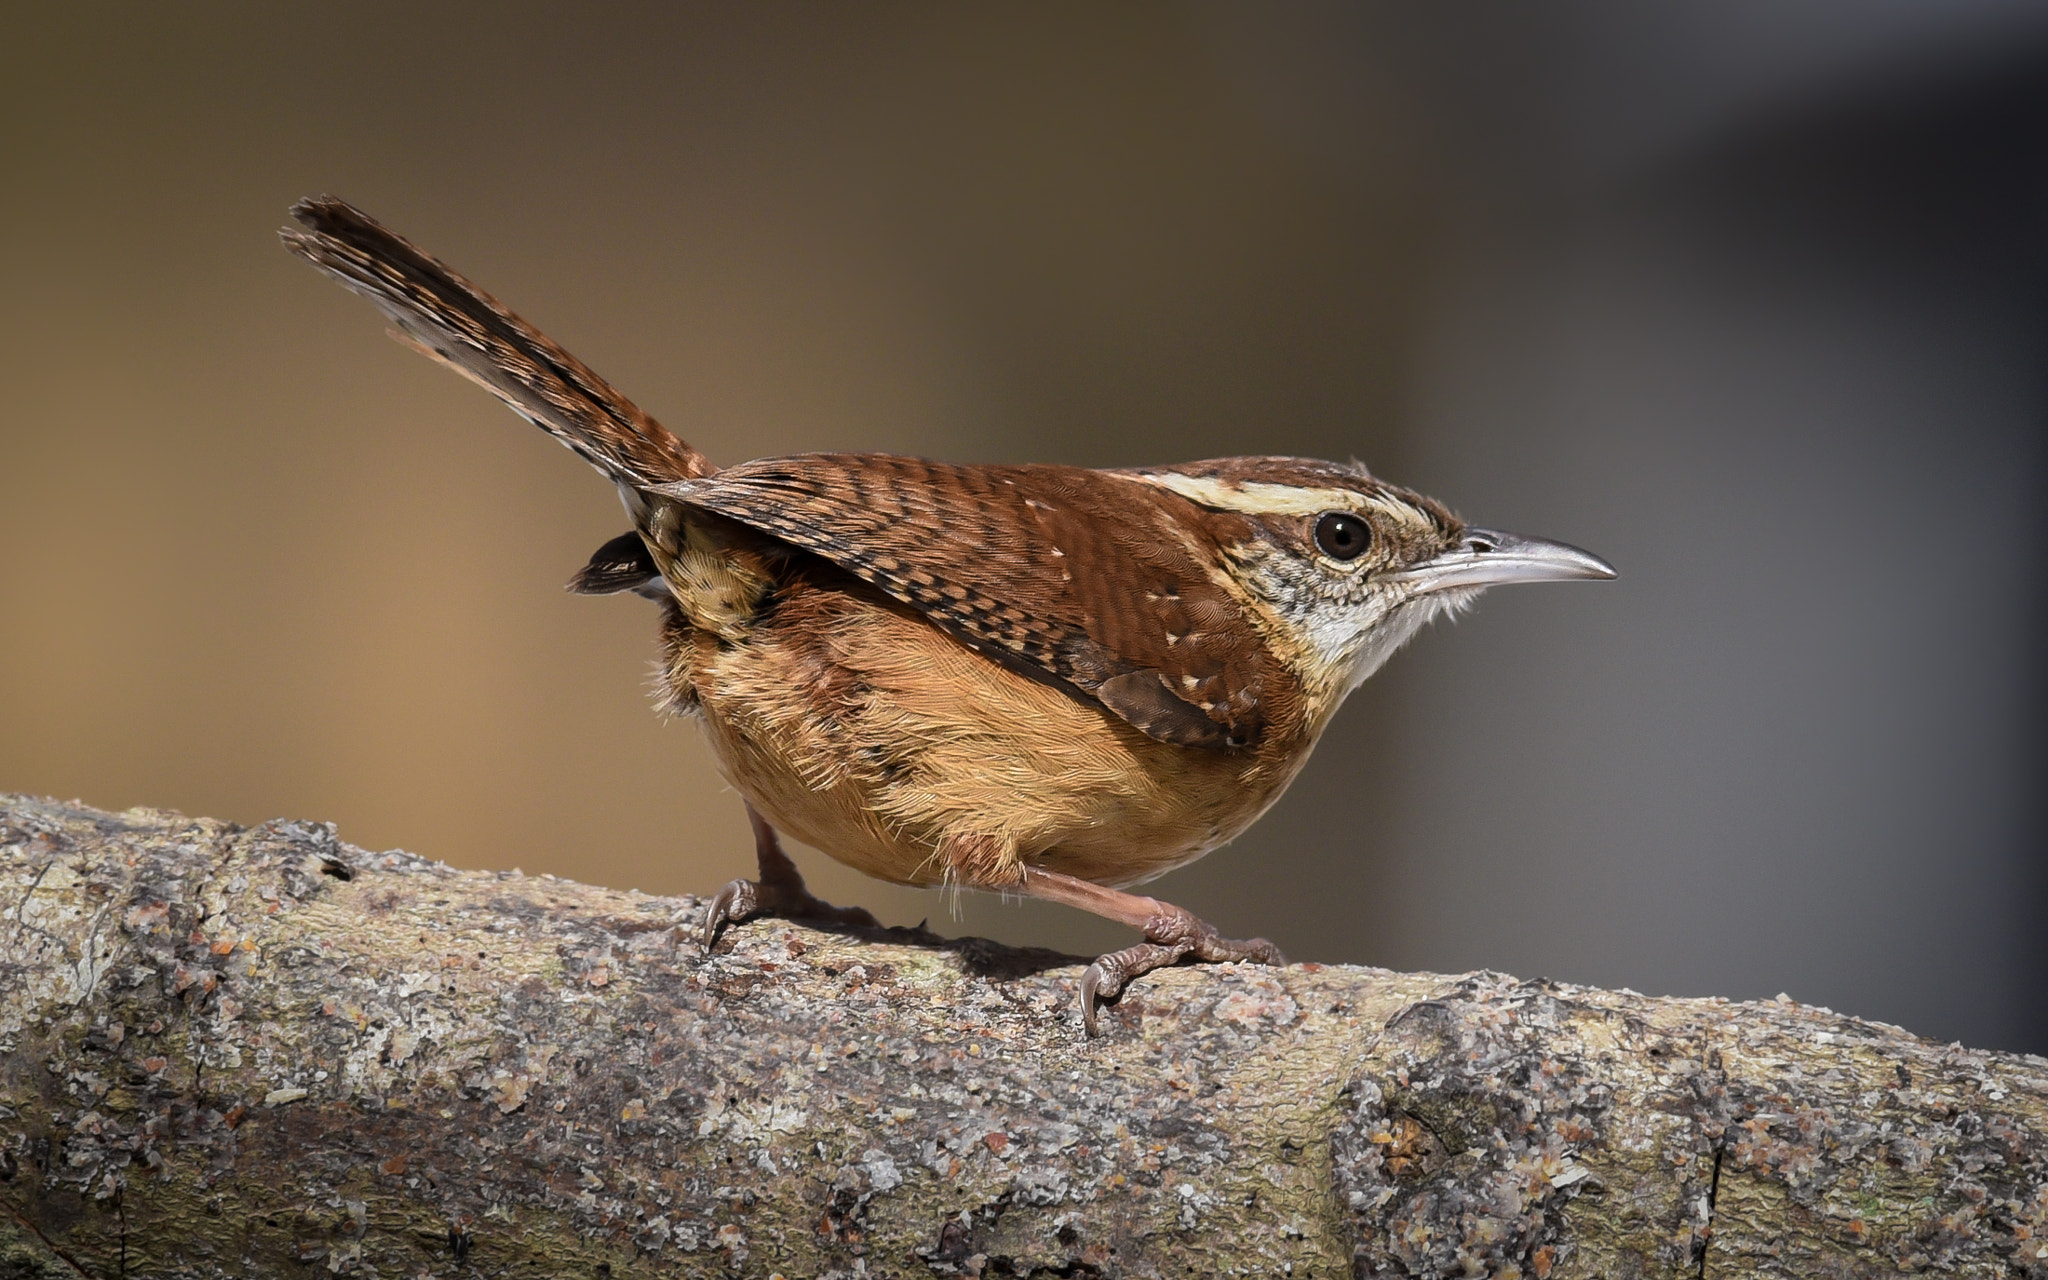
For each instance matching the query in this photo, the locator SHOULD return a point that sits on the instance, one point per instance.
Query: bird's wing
(1081, 576)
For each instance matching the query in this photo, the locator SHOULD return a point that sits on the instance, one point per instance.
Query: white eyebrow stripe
(1253, 497)
(1260, 498)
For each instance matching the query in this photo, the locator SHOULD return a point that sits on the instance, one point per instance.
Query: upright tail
(442, 315)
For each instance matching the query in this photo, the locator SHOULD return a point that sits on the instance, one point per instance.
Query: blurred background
(1746, 296)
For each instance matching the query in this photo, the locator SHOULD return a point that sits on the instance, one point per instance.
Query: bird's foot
(779, 892)
(1172, 934)
(745, 899)
(1172, 938)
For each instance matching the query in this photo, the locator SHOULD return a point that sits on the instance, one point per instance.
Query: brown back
(1087, 577)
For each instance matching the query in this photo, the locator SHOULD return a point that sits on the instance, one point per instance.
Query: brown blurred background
(1748, 297)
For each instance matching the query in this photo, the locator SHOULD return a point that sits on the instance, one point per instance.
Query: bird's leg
(779, 892)
(1172, 934)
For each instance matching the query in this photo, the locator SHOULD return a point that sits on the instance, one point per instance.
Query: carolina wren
(1030, 679)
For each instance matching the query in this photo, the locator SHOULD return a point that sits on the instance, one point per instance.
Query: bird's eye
(1342, 536)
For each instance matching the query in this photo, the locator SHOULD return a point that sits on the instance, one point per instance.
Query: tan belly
(863, 731)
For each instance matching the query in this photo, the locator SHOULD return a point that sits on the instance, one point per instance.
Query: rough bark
(261, 1052)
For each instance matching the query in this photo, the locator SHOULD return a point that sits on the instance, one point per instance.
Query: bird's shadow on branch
(982, 958)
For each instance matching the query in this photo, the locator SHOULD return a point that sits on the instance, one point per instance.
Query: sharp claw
(1091, 982)
(736, 901)
(745, 899)
(1107, 977)
(1110, 974)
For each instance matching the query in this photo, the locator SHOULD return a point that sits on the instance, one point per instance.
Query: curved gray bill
(1490, 558)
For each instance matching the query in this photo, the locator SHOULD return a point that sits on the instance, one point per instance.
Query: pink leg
(779, 892)
(1172, 934)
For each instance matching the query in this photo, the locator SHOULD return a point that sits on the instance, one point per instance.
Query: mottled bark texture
(263, 1052)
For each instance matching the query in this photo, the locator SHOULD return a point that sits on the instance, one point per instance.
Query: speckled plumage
(1034, 678)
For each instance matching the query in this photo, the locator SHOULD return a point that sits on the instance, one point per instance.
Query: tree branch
(224, 1051)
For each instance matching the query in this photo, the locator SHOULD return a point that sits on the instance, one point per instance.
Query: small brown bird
(1030, 679)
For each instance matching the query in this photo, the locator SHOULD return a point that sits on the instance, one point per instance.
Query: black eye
(1342, 536)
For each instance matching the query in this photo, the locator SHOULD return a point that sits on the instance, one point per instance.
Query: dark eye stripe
(1342, 536)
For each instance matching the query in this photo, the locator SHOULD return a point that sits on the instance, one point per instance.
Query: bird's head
(1341, 568)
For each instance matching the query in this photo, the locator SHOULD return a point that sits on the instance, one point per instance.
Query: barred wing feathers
(1076, 575)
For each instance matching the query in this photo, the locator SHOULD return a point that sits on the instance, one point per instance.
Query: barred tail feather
(444, 316)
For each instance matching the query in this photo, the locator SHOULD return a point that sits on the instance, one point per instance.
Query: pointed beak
(1490, 558)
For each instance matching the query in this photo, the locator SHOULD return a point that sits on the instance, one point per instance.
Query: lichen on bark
(230, 1052)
